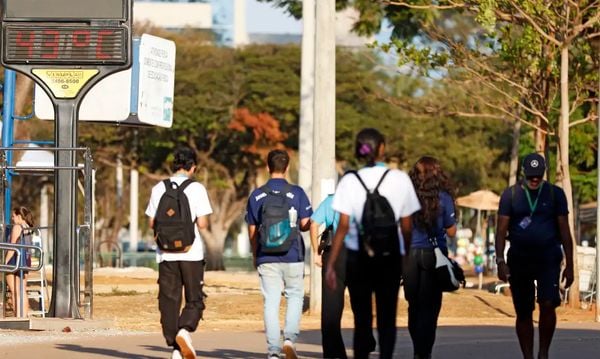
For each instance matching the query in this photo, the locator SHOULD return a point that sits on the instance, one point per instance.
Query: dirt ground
(128, 297)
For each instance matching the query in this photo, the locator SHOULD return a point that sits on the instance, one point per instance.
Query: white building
(225, 18)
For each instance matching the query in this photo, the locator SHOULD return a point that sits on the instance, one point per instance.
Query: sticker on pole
(65, 83)
(157, 81)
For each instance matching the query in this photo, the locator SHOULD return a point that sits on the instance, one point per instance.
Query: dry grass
(234, 303)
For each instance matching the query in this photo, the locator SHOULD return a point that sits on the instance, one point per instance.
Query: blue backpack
(276, 233)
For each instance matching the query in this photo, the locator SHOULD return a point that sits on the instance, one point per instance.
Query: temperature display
(68, 45)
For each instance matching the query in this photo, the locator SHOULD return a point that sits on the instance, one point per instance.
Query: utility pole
(307, 115)
(324, 172)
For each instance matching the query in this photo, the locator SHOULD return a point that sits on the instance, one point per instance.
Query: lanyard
(532, 206)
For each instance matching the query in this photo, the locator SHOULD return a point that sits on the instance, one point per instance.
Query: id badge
(525, 222)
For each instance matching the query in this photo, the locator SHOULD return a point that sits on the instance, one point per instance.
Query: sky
(265, 18)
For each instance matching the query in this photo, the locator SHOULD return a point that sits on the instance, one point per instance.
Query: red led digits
(81, 38)
(51, 41)
(69, 45)
(99, 43)
(26, 39)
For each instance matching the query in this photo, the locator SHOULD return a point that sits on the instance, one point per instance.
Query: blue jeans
(276, 278)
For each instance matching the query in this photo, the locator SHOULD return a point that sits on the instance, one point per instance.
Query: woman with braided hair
(433, 222)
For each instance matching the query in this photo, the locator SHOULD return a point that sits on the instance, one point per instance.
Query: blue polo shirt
(543, 230)
(324, 214)
(298, 199)
(446, 219)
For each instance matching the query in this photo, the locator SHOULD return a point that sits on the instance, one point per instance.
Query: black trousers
(366, 276)
(332, 307)
(424, 299)
(172, 276)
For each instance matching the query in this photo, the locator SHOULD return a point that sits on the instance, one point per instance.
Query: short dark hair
(368, 141)
(278, 161)
(184, 157)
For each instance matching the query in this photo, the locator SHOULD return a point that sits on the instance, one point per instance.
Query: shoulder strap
(359, 180)
(266, 189)
(365, 186)
(167, 183)
(381, 180)
(184, 184)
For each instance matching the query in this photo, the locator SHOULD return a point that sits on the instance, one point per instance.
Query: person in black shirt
(533, 216)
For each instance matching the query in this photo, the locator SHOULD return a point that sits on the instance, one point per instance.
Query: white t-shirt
(350, 197)
(199, 206)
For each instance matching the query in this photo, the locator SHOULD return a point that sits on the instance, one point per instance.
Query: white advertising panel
(157, 81)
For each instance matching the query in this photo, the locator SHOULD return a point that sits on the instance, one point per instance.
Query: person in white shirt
(366, 274)
(177, 270)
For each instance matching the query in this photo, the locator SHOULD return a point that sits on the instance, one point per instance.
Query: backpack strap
(381, 180)
(169, 184)
(184, 184)
(363, 183)
(267, 190)
(359, 180)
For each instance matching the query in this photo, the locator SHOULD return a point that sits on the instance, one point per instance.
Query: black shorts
(541, 266)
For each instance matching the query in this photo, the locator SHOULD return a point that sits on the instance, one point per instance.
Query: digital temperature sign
(25, 43)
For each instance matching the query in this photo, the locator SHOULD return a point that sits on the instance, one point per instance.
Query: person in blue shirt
(280, 272)
(436, 219)
(532, 215)
(332, 302)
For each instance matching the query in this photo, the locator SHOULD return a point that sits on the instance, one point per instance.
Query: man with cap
(532, 215)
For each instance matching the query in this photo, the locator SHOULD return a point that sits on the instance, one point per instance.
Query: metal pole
(66, 268)
(324, 127)
(10, 80)
(133, 212)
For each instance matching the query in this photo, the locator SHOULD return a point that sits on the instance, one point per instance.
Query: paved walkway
(571, 341)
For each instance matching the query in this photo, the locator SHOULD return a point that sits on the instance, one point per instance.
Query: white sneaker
(289, 350)
(176, 354)
(184, 340)
(273, 356)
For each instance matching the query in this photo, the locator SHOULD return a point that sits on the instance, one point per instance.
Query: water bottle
(293, 214)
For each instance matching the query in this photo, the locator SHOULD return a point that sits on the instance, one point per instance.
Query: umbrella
(482, 200)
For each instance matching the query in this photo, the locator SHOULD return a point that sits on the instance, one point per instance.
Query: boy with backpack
(377, 199)
(178, 209)
(276, 214)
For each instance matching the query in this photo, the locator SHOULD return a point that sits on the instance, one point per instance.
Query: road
(572, 341)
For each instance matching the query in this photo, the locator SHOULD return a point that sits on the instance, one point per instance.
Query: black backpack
(378, 229)
(173, 223)
(276, 233)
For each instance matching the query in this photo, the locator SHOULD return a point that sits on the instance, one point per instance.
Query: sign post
(66, 46)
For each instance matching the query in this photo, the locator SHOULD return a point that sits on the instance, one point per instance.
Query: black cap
(534, 165)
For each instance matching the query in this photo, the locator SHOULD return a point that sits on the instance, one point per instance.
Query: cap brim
(535, 172)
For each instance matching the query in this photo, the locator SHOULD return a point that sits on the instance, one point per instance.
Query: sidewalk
(572, 340)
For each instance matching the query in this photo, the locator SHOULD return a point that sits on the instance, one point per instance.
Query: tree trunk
(514, 154)
(226, 211)
(562, 167)
(23, 96)
(214, 242)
